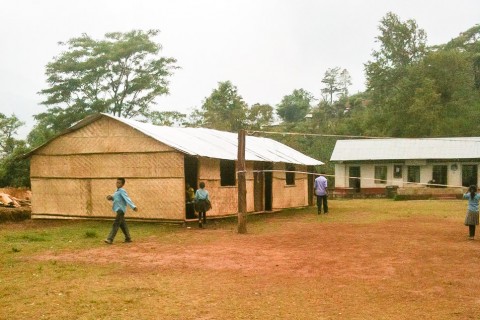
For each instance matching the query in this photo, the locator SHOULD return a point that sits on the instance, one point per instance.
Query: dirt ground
(420, 267)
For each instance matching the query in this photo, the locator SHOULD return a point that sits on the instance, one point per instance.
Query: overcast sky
(267, 48)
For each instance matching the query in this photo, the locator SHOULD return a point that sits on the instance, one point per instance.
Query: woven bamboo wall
(155, 198)
(289, 196)
(103, 136)
(224, 198)
(72, 175)
(136, 165)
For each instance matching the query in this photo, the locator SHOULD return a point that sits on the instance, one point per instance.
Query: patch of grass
(91, 234)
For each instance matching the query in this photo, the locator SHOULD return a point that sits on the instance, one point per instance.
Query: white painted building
(370, 165)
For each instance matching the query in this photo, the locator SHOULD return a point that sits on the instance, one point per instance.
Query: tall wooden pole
(242, 184)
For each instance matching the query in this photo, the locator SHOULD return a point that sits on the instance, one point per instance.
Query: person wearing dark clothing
(320, 186)
(119, 206)
(202, 204)
(471, 218)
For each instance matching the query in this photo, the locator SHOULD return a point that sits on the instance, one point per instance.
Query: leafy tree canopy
(294, 107)
(121, 74)
(224, 109)
(8, 129)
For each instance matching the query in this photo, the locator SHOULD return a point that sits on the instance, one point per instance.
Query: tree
(259, 115)
(224, 109)
(15, 169)
(401, 44)
(332, 85)
(344, 81)
(121, 74)
(8, 128)
(167, 118)
(294, 107)
(336, 83)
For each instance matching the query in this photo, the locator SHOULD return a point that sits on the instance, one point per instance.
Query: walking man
(120, 200)
(320, 186)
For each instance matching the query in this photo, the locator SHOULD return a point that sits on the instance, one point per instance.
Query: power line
(472, 139)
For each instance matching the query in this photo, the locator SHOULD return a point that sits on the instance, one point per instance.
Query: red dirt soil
(414, 266)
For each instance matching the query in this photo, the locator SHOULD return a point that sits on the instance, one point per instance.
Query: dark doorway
(354, 178)
(439, 175)
(268, 186)
(258, 177)
(191, 179)
(310, 181)
(469, 175)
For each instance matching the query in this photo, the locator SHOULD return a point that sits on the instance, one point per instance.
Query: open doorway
(268, 186)
(191, 179)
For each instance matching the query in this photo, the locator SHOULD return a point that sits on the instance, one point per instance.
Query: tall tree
(121, 74)
(8, 128)
(336, 82)
(294, 107)
(224, 109)
(401, 44)
(332, 84)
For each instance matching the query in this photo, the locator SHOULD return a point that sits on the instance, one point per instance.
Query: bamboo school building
(72, 174)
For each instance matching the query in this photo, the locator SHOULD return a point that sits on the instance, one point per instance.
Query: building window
(290, 176)
(380, 174)
(439, 175)
(413, 174)
(227, 173)
(469, 174)
(397, 171)
(354, 178)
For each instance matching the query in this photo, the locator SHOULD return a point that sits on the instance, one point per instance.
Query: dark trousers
(119, 223)
(471, 230)
(202, 216)
(322, 200)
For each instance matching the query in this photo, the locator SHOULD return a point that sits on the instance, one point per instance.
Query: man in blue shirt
(320, 186)
(120, 200)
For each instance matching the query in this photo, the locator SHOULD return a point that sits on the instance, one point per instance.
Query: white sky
(267, 48)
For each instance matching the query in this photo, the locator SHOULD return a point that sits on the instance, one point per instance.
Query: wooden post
(242, 184)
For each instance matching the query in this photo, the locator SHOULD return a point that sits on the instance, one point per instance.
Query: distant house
(368, 166)
(72, 173)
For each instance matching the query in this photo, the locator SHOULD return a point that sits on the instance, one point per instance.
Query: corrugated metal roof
(404, 149)
(211, 143)
(220, 144)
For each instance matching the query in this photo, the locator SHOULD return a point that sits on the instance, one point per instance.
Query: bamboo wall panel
(103, 136)
(209, 169)
(155, 198)
(60, 196)
(146, 165)
(289, 196)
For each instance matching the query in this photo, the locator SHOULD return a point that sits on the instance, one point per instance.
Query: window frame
(228, 176)
(289, 176)
(380, 173)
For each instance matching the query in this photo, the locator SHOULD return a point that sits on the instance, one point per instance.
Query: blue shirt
(472, 203)
(201, 194)
(320, 186)
(120, 201)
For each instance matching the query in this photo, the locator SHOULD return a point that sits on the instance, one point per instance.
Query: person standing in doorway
(320, 186)
(471, 218)
(190, 201)
(120, 200)
(202, 204)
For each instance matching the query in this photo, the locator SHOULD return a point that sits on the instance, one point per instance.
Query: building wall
(454, 177)
(72, 175)
(289, 196)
